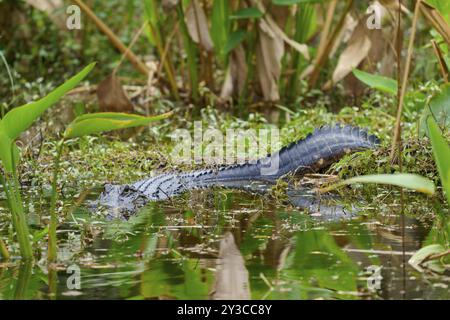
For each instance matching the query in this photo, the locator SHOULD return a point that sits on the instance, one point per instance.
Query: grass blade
(404, 180)
(441, 152)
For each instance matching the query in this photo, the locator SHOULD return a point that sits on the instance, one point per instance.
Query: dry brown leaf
(302, 48)
(393, 5)
(357, 50)
(345, 33)
(380, 58)
(267, 22)
(50, 7)
(269, 52)
(325, 30)
(437, 21)
(236, 74)
(343, 36)
(232, 281)
(322, 58)
(197, 24)
(112, 97)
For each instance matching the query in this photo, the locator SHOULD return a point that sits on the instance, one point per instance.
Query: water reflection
(235, 246)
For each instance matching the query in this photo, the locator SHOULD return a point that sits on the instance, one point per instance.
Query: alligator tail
(317, 151)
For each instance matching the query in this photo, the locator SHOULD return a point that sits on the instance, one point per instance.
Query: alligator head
(119, 201)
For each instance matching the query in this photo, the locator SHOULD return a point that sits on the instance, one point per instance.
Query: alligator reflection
(231, 245)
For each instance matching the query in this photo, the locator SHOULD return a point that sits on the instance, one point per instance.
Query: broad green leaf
(441, 152)
(103, 122)
(439, 108)
(20, 119)
(443, 6)
(419, 259)
(235, 39)
(405, 180)
(247, 13)
(381, 83)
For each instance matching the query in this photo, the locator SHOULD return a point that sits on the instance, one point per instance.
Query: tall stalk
(52, 241)
(157, 41)
(191, 52)
(302, 28)
(396, 141)
(4, 250)
(18, 217)
(23, 280)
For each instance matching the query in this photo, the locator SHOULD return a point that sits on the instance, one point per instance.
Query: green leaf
(405, 180)
(441, 152)
(443, 6)
(419, 259)
(102, 122)
(381, 83)
(39, 235)
(5, 151)
(235, 39)
(220, 25)
(20, 119)
(439, 108)
(151, 15)
(247, 13)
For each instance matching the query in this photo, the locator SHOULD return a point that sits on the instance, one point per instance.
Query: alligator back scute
(324, 146)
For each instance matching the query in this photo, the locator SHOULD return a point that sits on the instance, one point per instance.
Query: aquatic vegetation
(82, 126)
(404, 180)
(12, 125)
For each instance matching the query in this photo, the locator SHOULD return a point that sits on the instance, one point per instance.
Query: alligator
(317, 151)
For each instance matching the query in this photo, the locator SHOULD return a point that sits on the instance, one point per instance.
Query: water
(217, 244)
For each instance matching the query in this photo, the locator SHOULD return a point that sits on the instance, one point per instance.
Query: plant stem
(23, 233)
(442, 64)
(23, 280)
(52, 254)
(19, 220)
(4, 250)
(401, 99)
(322, 55)
(302, 25)
(52, 283)
(191, 52)
(168, 67)
(137, 63)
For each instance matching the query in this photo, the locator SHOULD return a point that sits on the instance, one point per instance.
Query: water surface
(224, 244)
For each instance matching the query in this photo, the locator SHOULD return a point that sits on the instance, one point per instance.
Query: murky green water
(232, 245)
